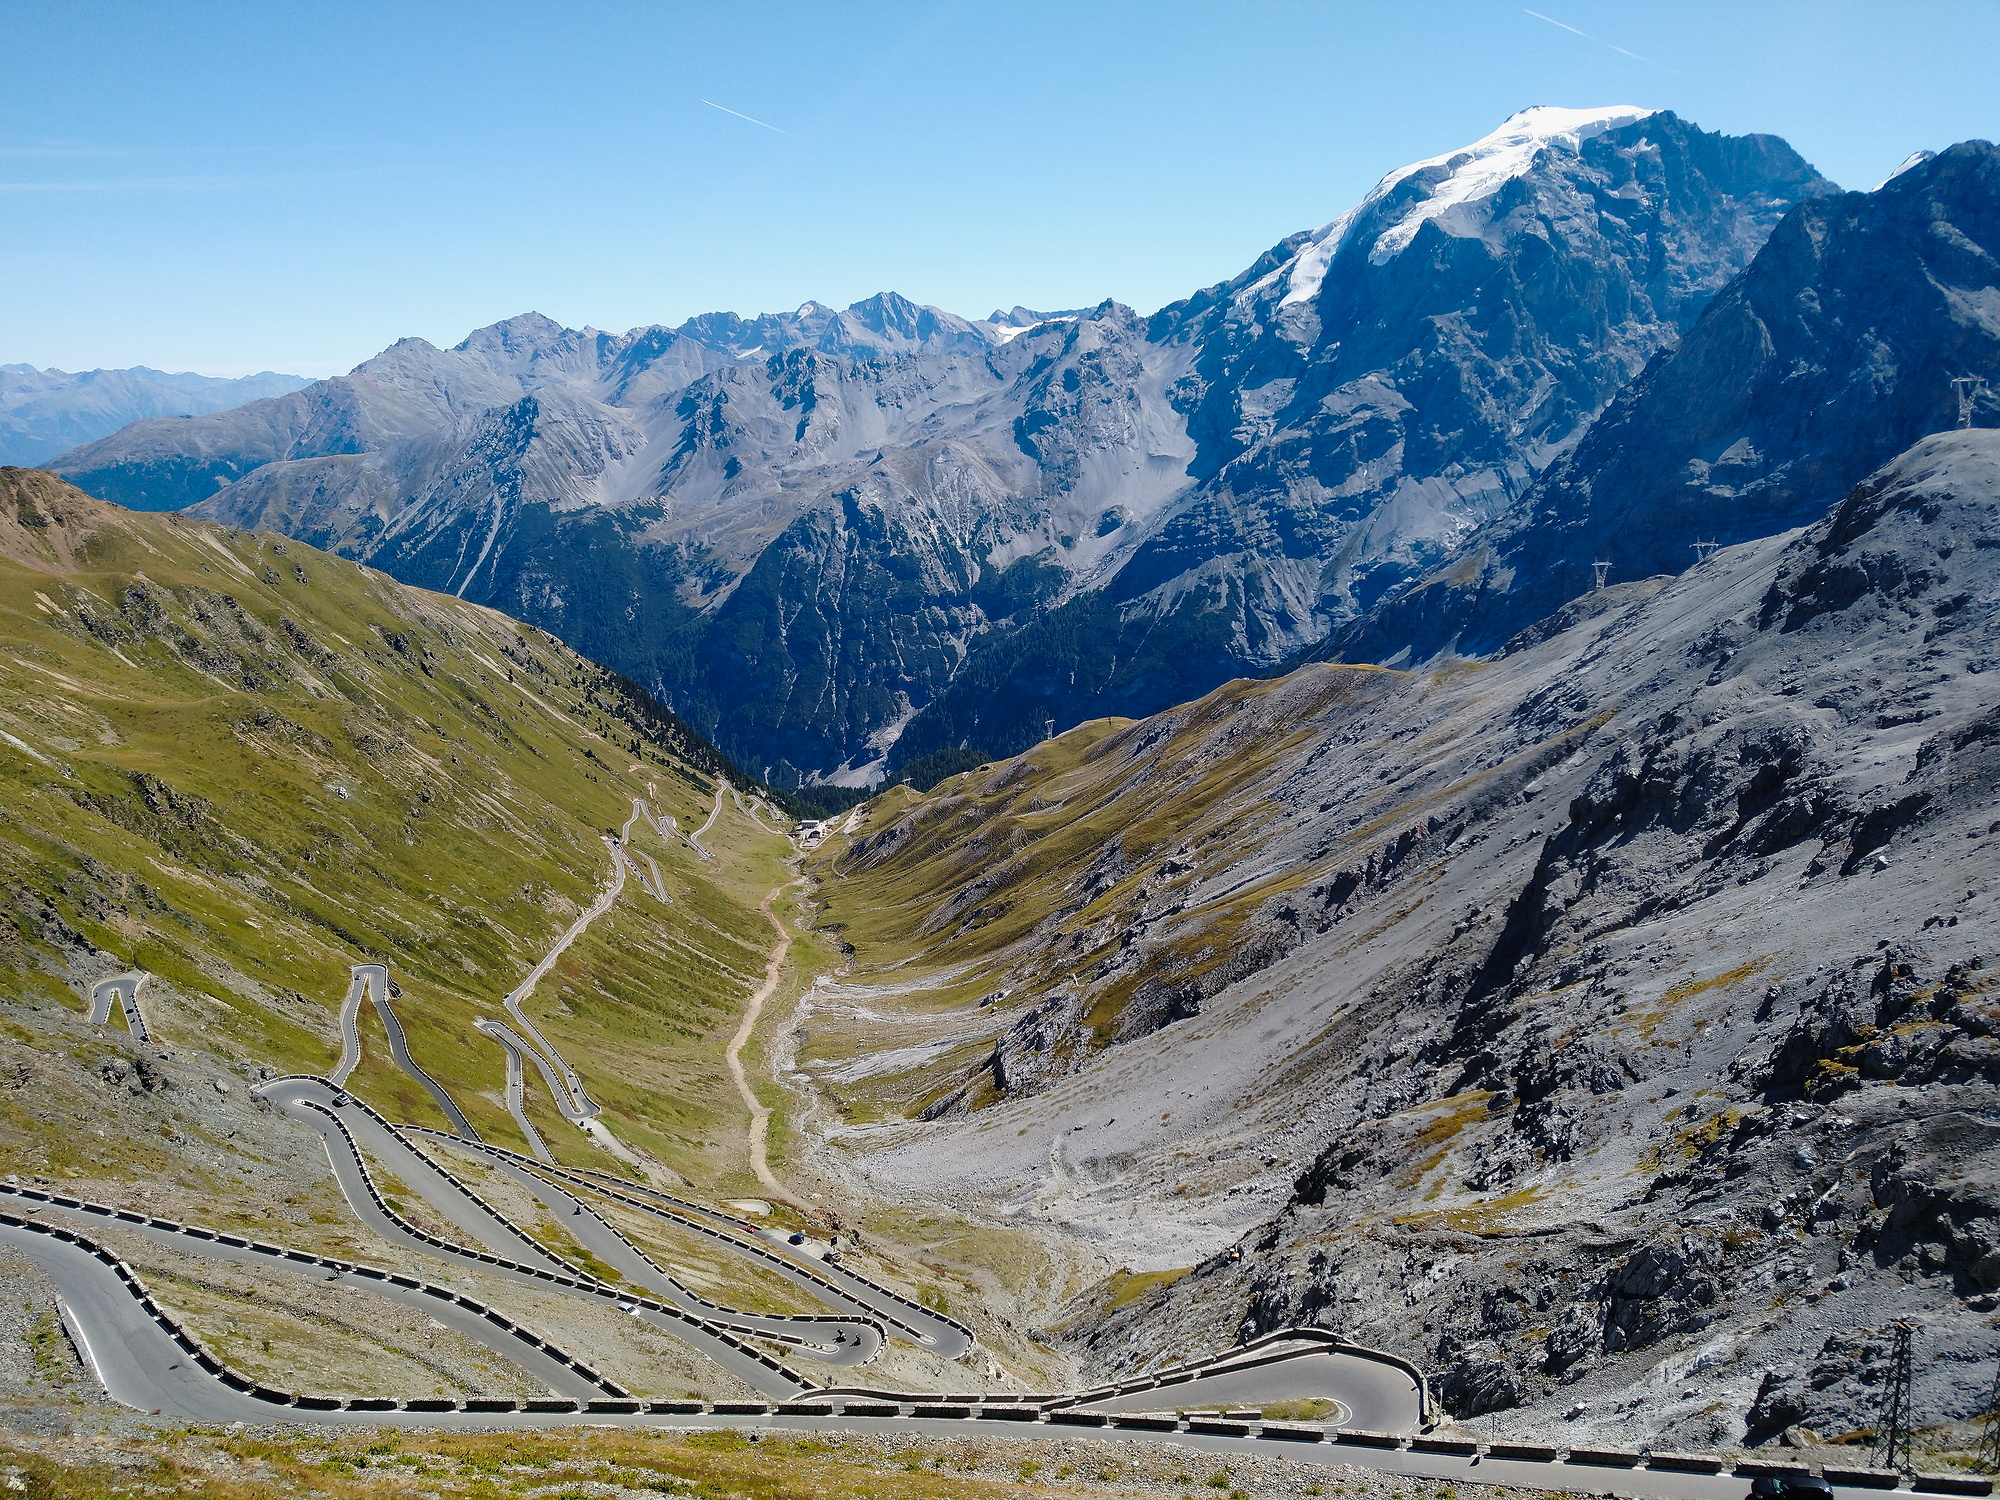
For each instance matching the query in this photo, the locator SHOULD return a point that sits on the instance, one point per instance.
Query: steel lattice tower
(1989, 1442)
(1892, 1441)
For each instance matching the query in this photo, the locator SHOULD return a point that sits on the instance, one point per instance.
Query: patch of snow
(1914, 159)
(1476, 173)
(1308, 267)
(1004, 333)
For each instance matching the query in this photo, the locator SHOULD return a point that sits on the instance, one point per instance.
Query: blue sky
(230, 187)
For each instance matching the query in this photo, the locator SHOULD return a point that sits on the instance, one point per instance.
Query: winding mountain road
(511, 1254)
(124, 988)
(656, 887)
(143, 1357)
(146, 1362)
(373, 981)
(662, 824)
(516, 1100)
(864, 1311)
(570, 1099)
(834, 1341)
(834, 1285)
(562, 1374)
(760, 1114)
(715, 812)
(347, 1128)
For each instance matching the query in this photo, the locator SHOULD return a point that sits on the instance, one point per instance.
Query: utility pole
(1602, 569)
(1892, 1437)
(1989, 1443)
(1968, 388)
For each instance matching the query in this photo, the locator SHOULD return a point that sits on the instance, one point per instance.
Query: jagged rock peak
(1450, 190)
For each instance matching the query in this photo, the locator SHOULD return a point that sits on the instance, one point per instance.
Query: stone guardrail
(603, 1182)
(234, 1379)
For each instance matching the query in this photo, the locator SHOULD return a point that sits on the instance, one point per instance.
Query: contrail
(741, 116)
(1626, 51)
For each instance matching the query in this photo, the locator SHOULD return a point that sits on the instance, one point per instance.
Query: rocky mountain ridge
(805, 529)
(1837, 349)
(1366, 397)
(45, 412)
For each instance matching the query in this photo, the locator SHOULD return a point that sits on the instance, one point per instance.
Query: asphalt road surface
(360, 978)
(435, 1302)
(377, 977)
(316, 1103)
(513, 1255)
(570, 1100)
(695, 838)
(835, 1341)
(1371, 1395)
(832, 1284)
(141, 1366)
(516, 1102)
(124, 988)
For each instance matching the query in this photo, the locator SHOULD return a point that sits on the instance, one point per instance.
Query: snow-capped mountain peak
(1468, 178)
(1914, 159)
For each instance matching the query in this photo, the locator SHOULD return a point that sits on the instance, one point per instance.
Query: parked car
(1789, 1487)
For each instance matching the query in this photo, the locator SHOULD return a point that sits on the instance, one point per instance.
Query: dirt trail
(760, 1115)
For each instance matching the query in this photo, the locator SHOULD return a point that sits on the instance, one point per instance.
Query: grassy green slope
(243, 765)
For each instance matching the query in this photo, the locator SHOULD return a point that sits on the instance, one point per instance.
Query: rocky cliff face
(1834, 351)
(836, 537)
(1599, 1026)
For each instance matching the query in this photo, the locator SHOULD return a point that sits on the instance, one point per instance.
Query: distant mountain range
(44, 412)
(837, 541)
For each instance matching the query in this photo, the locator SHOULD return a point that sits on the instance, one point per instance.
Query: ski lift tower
(1703, 551)
(1968, 389)
(1602, 568)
